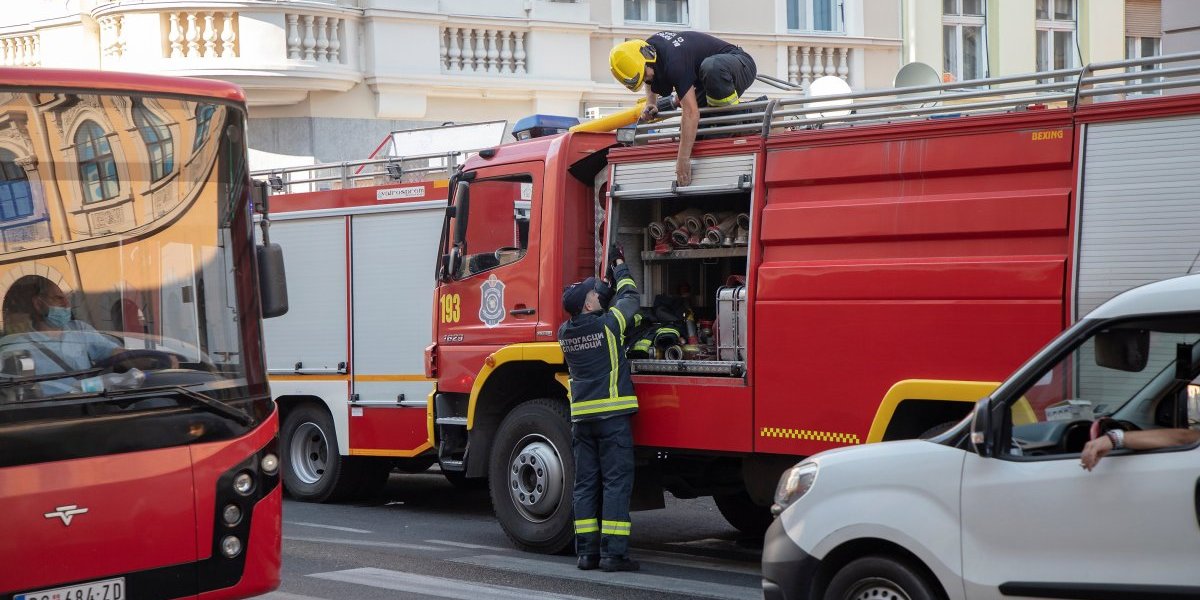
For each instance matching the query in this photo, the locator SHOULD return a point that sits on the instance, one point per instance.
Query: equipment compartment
(684, 251)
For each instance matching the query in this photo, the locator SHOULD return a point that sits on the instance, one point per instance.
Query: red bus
(138, 438)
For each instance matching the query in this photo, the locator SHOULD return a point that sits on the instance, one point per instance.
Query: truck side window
(498, 223)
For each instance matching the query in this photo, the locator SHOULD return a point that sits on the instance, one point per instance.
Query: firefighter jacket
(593, 344)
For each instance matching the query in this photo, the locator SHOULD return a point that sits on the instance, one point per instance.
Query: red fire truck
(138, 438)
(838, 272)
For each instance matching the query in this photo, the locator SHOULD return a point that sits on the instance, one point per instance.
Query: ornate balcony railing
(200, 34)
(808, 62)
(315, 38)
(484, 50)
(23, 50)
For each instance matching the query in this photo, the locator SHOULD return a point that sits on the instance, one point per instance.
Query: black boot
(588, 562)
(608, 564)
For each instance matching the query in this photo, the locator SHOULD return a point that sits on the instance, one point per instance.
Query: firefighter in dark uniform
(602, 405)
(701, 69)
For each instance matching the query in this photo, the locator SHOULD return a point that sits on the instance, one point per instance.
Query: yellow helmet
(628, 62)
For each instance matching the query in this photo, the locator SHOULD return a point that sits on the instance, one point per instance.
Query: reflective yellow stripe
(612, 359)
(621, 320)
(726, 101)
(615, 527)
(624, 282)
(591, 407)
(586, 525)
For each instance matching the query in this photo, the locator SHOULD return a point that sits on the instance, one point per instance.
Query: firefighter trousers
(603, 485)
(725, 77)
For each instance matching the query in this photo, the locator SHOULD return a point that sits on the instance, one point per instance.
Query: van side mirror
(1123, 349)
(272, 280)
(981, 427)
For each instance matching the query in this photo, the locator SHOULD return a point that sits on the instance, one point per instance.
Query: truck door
(489, 298)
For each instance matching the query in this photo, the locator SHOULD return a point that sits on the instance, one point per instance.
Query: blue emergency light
(539, 125)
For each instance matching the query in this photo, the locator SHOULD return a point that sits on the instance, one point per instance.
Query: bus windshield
(125, 250)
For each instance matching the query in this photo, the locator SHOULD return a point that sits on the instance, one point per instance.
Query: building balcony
(277, 52)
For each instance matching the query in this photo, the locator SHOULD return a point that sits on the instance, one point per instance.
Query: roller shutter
(1140, 214)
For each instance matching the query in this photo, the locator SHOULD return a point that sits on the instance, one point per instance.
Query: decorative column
(210, 36)
(310, 41)
(322, 40)
(293, 37)
(193, 37)
(175, 37)
(228, 37)
(519, 53)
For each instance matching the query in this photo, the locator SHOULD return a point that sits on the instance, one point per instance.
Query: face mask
(58, 316)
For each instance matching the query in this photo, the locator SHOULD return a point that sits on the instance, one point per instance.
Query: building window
(204, 113)
(16, 197)
(1143, 47)
(963, 30)
(1056, 35)
(97, 166)
(672, 12)
(814, 15)
(157, 138)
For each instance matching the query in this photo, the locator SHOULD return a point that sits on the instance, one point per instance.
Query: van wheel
(878, 578)
(313, 471)
(531, 475)
(741, 512)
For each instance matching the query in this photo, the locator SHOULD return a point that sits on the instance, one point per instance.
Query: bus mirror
(1123, 349)
(462, 209)
(272, 281)
(259, 195)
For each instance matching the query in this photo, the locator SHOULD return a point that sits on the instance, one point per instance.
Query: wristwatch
(1117, 437)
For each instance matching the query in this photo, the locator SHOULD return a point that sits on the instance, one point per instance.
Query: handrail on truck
(1095, 82)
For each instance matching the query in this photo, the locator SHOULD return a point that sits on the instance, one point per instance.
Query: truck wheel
(531, 475)
(878, 577)
(313, 471)
(741, 512)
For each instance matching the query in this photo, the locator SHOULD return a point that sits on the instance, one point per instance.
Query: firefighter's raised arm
(627, 300)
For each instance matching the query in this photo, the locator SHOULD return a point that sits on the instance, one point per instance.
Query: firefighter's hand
(683, 171)
(649, 112)
(616, 253)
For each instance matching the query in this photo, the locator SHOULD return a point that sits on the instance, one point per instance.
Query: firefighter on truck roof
(701, 69)
(602, 406)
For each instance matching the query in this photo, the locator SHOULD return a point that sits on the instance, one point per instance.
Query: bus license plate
(109, 589)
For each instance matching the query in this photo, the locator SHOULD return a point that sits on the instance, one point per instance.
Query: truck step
(451, 465)
(460, 421)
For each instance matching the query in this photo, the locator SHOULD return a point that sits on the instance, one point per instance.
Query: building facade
(974, 39)
(327, 79)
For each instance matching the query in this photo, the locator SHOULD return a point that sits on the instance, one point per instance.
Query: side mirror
(272, 280)
(981, 427)
(1123, 349)
(462, 211)
(452, 263)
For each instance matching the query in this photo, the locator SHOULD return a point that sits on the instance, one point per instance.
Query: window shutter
(1143, 18)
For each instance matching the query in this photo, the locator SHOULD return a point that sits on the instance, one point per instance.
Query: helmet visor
(633, 82)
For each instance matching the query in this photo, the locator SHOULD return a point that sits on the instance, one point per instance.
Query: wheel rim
(309, 453)
(877, 588)
(535, 478)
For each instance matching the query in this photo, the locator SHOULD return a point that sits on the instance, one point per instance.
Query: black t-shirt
(677, 66)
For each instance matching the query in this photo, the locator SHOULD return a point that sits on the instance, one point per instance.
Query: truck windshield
(125, 248)
(1127, 371)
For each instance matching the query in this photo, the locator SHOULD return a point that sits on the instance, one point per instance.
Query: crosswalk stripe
(439, 587)
(468, 546)
(333, 527)
(277, 595)
(643, 581)
(366, 543)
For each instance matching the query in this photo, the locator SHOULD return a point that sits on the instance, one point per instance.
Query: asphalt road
(423, 538)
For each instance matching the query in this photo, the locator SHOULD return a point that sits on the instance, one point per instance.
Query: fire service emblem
(491, 302)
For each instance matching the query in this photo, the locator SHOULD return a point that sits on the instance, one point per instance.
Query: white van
(999, 506)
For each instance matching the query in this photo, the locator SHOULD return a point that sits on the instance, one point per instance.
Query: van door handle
(522, 311)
